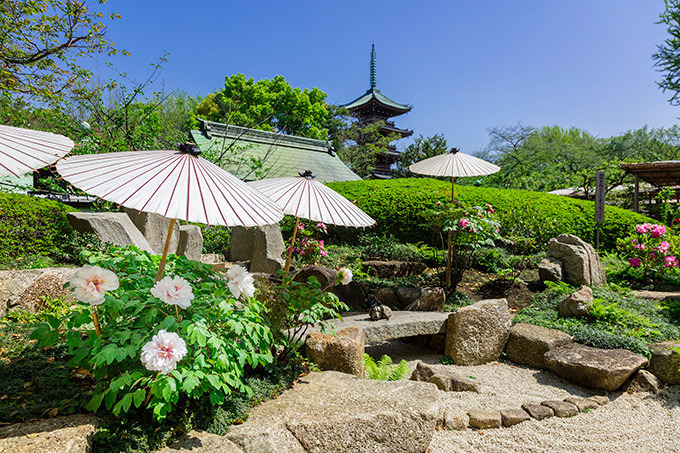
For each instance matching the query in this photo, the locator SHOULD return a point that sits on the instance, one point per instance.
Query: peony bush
(150, 345)
(652, 250)
(308, 248)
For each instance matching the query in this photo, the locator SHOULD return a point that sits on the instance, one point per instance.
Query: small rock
(577, 304)
(561, 408)
(514, 416)
(643, 381)
(343, 352)
(485, 419)
(422, 372)
(456, 420)
(451, 382)
(550, 270)
(391, 269)
(582, 403)
(599, 399)
(538, 411)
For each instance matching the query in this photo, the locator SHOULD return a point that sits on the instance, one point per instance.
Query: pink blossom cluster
(655, 231)
(649, 249)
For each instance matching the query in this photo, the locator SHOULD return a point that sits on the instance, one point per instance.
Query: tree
(421, 148)
(363, 145)
(269, 105)
(667, 56)
(42, 44)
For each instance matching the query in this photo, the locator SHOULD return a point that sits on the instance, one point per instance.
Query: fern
(383, 370)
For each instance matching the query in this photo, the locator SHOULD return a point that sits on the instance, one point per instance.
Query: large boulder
(665, 361)
(577, 304)
(324, 275)
(527, 344)
(114, 227)
(476, 334)
(241, 243)
(336, 412)
(390, 269)
(268, 250)
(408, 295)
(154, 227)
(580, 264)
(388, 296)
(201, 442)
(605, 369)
(26, 289)
(72, 434)
(190, 242)
(342, 352)
(431, 299)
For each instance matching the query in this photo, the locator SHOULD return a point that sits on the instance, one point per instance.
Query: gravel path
(637, 422)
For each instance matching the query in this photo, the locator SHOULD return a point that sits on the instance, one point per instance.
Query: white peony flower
(163, 352)
(240, 282)
(91, 282)
(345, 275)
(174, 291)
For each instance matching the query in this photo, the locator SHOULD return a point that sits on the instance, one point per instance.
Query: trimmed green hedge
(399, 206)
(32, 226)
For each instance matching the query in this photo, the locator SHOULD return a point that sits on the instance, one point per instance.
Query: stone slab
(561, 408)
(113, 227)
(201, 442)
(401, 324)
(72, 434)
(537, 411)
(485, 419)
(513, 417)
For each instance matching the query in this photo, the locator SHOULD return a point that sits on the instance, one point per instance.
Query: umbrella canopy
(454, 164)
(303, 196)
(175, 184)
(25, 150)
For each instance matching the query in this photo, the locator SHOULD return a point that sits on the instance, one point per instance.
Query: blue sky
(465, 66)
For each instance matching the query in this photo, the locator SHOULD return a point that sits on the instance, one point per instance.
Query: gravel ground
(637, 422)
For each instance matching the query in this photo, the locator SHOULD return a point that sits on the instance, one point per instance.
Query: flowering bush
(651, 250)
(466, 229)
(151, 344)
(308, 248)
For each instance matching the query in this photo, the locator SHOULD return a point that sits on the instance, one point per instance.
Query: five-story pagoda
(373, 107)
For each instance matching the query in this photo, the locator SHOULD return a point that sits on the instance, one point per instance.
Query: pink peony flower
(240, 282)
(663, 247)
(91, 282)
(464, 223)
(657, 231)
(163, 352)
(490, 208)
(174, 291)
(345, 275)
(323, 253)
(670, 260)
(643, 228)
(640, 246)
(301, 226)
(635, 262)
(321, 226)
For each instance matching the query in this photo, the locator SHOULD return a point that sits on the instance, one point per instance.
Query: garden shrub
(383, 370)
(400, 207)
(215, 238)
(32, 226)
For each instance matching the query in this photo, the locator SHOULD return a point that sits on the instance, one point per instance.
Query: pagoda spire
(373, 76)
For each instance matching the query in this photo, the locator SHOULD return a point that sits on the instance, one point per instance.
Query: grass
(618, 319)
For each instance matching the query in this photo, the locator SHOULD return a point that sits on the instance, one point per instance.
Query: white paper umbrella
(303, 196)
(25, 150)
(174, 184)
(453, 164)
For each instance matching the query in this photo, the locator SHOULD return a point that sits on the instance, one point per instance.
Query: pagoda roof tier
(390, 128)
(373, 101)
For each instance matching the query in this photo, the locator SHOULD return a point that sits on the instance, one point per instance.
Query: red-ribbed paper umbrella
(303, 196)
(24, 150)
(174, 184)
(453, 164)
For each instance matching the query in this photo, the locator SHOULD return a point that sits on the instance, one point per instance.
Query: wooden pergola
(658, 174)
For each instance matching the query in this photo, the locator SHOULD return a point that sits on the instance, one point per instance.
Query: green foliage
(32, 226)
(50, 307)
(222, 338)
(456, 300)
(44, 44)
(618, 319)
(667, 56)
(215, 238)
(652, 251)
(422, 148)
(388, 248)
(400, 208)
(268, 105)
(383, 370)
(293, 307)
(363, 146)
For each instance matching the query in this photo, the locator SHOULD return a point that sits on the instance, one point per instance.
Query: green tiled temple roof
(375, 95)
(282, 155)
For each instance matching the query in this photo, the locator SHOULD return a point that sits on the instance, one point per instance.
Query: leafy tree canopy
(42, 44)
(422, 148)
(363, 146)
(667, 56)
(269, 105)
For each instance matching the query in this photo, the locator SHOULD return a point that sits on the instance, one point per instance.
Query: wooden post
(636, 195)
(161, 266)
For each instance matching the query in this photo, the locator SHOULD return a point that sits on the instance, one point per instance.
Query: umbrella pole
(161, 266)
(286, 268)
(450, 250)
